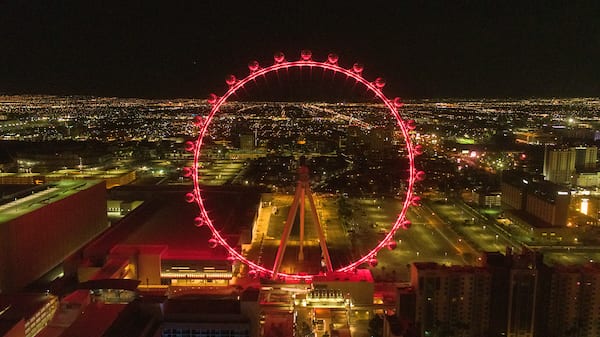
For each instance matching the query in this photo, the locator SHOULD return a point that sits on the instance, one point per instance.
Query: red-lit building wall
(34, 243)
(18, 330)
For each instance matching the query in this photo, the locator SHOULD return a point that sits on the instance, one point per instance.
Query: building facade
(39, 231)
(575, 301)
(559, 165)
(585, 158)
(451, 300)
(545, 203)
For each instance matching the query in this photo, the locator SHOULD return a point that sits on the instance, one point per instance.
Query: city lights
(405, 126)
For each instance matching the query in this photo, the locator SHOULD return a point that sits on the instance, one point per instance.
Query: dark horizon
(464, 49)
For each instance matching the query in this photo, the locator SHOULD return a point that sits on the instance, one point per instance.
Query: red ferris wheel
(305, 62)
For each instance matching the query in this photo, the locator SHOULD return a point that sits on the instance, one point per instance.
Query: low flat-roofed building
(8, 178)
(178, 244)
(122, 207)
(486, 198)
(111, 177)
(587, 179)
(358, 285)
(94, 320)
(163, 244)
(210, 315)
(40, 230)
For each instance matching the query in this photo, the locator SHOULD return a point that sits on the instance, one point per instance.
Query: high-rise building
(559, 165)
(575, 301)
(522, 297)
(499, 267)
(520, 288)
(585, 158)
(451, 300)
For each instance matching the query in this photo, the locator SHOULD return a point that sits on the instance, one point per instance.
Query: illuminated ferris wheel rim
(305, 61)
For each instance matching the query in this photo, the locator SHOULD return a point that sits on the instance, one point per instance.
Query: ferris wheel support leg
(301, 251)
(322, 241)
(289, 222)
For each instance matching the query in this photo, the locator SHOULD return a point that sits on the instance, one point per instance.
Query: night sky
(435, 49)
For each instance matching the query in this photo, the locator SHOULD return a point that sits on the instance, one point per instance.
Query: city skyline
(485, 211)
(444, 157)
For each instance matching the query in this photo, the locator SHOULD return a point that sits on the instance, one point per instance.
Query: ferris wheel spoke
(303, 188)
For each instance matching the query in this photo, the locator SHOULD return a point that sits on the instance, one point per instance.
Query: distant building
(111, 177)
(513, 195)
(547, 204)
(486, 198)
(559, 165)
(587, 179)
(20, 178)
(586, 158)
(122, 207)
(535, 137)
(247, 142)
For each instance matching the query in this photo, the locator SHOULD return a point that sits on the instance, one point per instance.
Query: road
(486, 235)
(425, 241)
(474, 227)
(429, 239)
